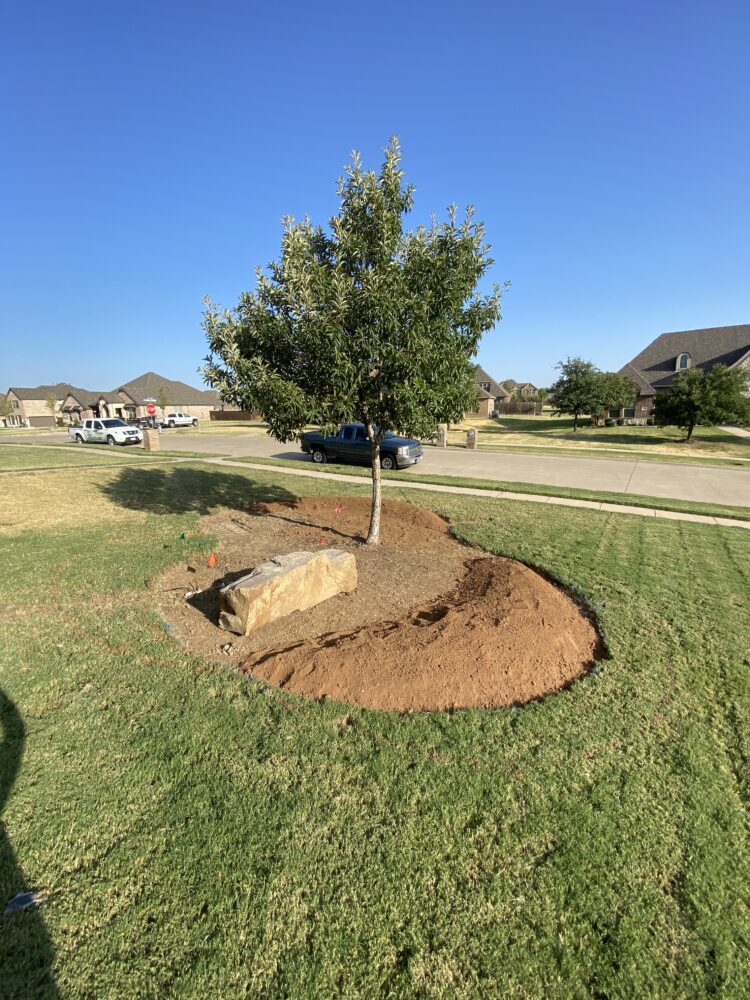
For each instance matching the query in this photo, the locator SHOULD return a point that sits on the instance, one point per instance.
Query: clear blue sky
(149, 151)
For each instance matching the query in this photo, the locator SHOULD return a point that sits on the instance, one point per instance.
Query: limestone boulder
(292, 582)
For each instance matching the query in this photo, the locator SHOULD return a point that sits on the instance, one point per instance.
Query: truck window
(361, 435)
(97, 425)
(348, 434)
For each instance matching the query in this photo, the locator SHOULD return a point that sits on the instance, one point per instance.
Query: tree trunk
(575, 422)
(689, 432)
(373, 535)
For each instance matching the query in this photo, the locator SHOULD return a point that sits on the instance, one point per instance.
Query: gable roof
(60, 391)
(654, 367)
(150, 385)
(496, 388)
(88, 398)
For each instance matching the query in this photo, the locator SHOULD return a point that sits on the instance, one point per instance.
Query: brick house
(655, 367)
(489, 393)
(31, 408)
(524, 389)
(82, 404)
(179, 396)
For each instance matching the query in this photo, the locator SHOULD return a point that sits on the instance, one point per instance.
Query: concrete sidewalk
(400, 484)
(739, 432)
(663, 480)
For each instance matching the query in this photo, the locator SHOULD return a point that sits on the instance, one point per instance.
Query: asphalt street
(710, 484)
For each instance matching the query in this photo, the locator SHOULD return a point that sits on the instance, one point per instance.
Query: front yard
(556, 433)
(198, 834)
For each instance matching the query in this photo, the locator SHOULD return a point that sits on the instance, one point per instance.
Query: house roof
(88, 398)
(145, 386)
(654, 367)
(59, 390)
(496, 388)
(483, 394)
(151, 385)
(512, 384)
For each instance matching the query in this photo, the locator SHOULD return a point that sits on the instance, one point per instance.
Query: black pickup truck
(350, 443)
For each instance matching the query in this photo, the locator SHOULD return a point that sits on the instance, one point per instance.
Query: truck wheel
(387, 462)
(171, 423)
(110, 439)
(195, 423)
(318, 456)
(78, 439)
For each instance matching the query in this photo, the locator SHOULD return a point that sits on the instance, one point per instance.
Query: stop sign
(151, 409)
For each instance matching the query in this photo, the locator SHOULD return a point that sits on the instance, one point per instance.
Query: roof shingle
(655, 367)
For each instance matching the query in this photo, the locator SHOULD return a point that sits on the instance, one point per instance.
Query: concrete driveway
(710, 484)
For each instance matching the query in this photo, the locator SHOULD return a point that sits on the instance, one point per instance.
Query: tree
(542, 394)
(703, 398)
(162, 400)
(577, 389)
(361, 321)
(52, 405)
(613, 391)
(7, 409)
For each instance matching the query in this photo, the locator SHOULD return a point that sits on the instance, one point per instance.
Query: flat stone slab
(293, 582)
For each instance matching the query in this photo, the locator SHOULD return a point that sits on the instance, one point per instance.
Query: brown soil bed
(432, 625)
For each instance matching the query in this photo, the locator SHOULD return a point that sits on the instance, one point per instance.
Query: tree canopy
(583, 389)
(574, 392)
(613, 391)
(361, 320)
(697, 397)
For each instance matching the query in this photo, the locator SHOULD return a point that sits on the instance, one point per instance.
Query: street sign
(151, 409)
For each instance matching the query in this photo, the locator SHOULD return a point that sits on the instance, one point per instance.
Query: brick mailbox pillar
(151, 440)
(442, 437)
(472, 439)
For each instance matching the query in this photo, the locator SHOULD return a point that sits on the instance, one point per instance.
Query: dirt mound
(403, 525)
(503, 636)
(432, 624)
(417, 561)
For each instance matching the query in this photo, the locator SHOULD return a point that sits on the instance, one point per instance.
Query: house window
(683, 362)
(485, 386)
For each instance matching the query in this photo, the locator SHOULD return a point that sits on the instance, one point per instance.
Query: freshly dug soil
(417, 561)
(432, 625)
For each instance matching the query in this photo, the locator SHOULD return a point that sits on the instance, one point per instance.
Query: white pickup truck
(176, 418)
(107, 430)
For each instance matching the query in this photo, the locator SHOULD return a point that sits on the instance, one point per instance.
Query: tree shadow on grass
(186, 490)
(26, 953)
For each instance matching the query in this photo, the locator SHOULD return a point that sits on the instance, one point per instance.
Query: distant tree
(613, 392)
(162, 400)
(698, 398)
(576, 392)
(363, 321)
(52, 405)
(542, 394)
(7, 409)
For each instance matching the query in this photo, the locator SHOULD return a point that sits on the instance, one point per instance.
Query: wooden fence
(234, 415)
(519, 406)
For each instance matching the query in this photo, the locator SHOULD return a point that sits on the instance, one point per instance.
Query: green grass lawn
(38, 456)
(200, 836)
(557, 433)
(533, 489)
